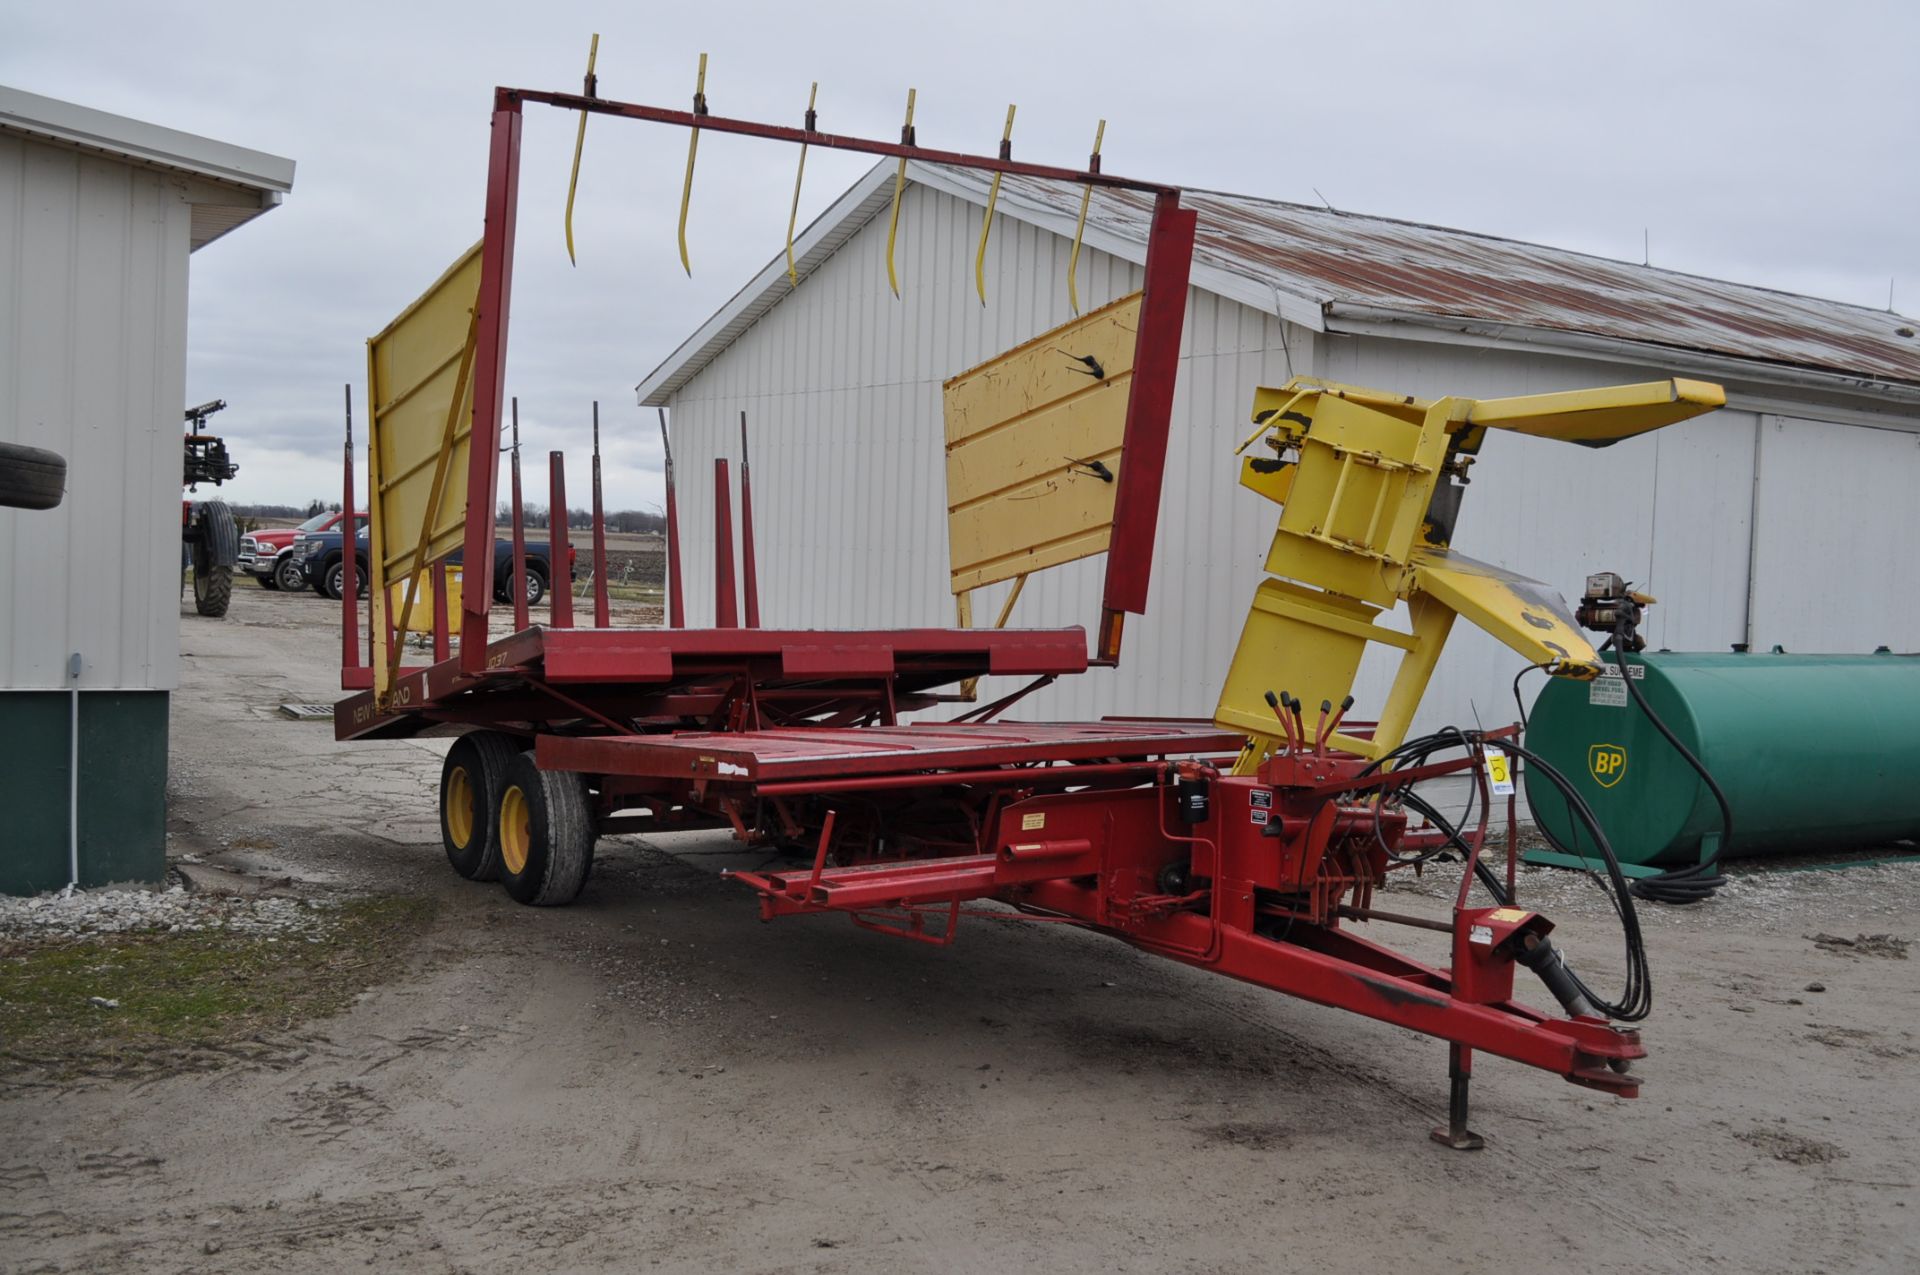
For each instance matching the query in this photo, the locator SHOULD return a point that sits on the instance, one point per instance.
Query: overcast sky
(1760, 142)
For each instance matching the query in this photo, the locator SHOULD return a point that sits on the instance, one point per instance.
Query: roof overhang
(1751, 382)
(229, 185)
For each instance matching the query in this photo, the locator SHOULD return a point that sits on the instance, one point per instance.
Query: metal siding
(848, 465)
(93, 312)
(1837, 518)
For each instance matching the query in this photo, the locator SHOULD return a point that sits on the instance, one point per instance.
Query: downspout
(73, 774)
(1753, 523)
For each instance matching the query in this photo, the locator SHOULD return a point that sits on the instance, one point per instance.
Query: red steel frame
(789, 736)
(1156, 358)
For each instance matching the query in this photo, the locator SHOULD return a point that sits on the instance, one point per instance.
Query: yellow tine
(579, 141)
(1080, 227)
(899, 184)
(693, 148)
(986, 223)
(793, 216)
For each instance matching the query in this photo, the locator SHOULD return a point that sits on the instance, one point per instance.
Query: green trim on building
(123, 788)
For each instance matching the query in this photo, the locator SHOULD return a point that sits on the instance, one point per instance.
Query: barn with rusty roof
(1769, 522)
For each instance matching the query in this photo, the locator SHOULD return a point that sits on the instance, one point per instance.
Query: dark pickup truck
(322, 565)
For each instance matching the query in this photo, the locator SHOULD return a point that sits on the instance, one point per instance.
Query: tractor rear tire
(216, 541)
(471, 781)
(31, 477)
(546, 834)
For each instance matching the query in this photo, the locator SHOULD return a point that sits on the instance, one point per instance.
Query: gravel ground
(91, 913)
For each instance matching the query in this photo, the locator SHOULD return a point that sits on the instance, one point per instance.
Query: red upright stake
(601, 618)
(1156, 367)
(751, 580)
(489, 382)
(519, 586)
(559, 555)
(350, 577)
(442, 636)
(726, 607)
(676, 603)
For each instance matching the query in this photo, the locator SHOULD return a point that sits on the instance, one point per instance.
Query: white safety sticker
(1033, 822)
(1607, 692)
(1481, 934)
(1258, 816)
(1499, 773)
(729, 768)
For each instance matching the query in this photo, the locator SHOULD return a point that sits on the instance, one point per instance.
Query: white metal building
(98, 214)
(1772, 521)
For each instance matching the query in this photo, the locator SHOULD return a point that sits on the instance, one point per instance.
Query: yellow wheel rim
(516, 830)
(459, 804)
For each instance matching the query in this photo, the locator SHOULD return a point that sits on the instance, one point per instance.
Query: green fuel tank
(1814, 752)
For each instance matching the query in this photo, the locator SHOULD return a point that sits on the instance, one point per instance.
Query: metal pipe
(508, 99)
(750, 578)
(676, 603)
(519, 586)
(1394, 918)
(73, 775)
(601, 617)
(1000, 776)
(349, 562)
(726, 603)
(559, 556)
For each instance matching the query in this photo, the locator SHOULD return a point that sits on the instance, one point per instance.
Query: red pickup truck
(263, 554)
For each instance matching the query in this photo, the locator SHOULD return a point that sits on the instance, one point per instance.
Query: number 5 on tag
(1499, 773)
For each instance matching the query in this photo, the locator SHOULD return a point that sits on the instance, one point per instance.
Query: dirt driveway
(652, 1079)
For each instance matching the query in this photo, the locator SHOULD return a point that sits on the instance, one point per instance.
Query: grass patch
(199, 989)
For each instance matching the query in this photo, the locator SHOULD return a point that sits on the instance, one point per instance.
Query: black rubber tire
(212, 590)
(217, 532)
(287, 575)
(31, 477)
(336, 579)
(483, 758)
(559, 834)
(215, 541)
(536, 586)
(268, 582)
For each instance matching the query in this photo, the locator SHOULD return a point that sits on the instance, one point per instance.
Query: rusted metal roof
(1346, 261)
(1340, 271)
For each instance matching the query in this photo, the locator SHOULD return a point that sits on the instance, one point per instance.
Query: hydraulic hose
(1636, 998)
(1697, 881)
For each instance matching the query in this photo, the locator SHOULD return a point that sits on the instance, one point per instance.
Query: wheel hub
(516, 830)
(459, 802)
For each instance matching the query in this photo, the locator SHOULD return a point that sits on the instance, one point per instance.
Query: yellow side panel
(1297, 640)
(1025, 432)
(411, 368)
(1525, 614)
(420, 619)
(1599, 418)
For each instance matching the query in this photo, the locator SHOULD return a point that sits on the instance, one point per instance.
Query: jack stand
(1459, 1075)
